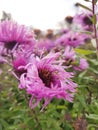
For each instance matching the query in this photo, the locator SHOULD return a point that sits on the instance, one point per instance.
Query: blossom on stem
(83, 65)
(46, 44)
(12, 35)
(20, 60)
(72, 60)
(84, 20)
(71, 38)
(69, 56)
(46, 79)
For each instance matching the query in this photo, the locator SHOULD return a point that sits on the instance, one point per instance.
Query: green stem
(33, 112)
(36, 118)
(94, 26)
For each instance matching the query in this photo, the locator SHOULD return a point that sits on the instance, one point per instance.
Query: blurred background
(42, 14)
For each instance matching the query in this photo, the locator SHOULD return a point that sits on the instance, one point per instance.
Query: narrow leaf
(84, 52)
(83, 6)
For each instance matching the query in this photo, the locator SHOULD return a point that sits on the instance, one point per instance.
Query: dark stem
(89, 99)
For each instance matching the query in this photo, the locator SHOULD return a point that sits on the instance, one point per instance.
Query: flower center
(87, 20)
(10, 45)
(72, 39)
(20, 72)
(67, 62)
(46, 76)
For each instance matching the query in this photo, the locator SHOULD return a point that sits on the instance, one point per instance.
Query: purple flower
(46, 79)
(18, 65)
(74, 61)
(45, 44)
(84, 20)
(69, 56)
(13, 34)
(21, 59)
(69, 53)
(73, 39)
(83, 65)
(64, 31)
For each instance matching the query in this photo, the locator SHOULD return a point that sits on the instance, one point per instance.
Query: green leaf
(84, 52)
(4, 123)
(1, 127)
(61, 107)
(83, 6)
(93, 70)
(92, 116)
(92, 127)
(93, 41)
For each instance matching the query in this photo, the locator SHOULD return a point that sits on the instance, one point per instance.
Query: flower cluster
(42, 65)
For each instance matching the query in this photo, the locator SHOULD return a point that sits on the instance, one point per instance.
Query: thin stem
(36, 118)
(94, 26)
(33, 113)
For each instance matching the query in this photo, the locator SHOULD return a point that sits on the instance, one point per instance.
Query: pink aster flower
(45, 79)
(18, 65)
(84, 20)
(69, 53)
(20, 60)
(46, 44)
(73, 39)
(74, 61)
(69, 56)
(83, 65)
(13, 34)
